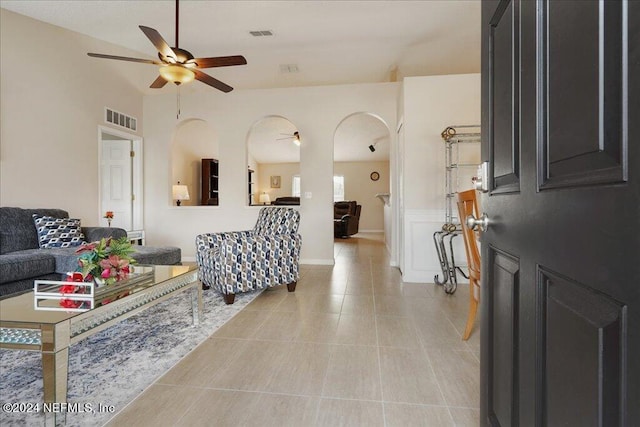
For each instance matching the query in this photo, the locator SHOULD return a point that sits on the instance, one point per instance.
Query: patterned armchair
(241, 261)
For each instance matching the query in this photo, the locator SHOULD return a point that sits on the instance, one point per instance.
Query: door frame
(137, 176)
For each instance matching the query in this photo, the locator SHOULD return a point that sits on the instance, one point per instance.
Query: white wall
(53, 99)
(430, 104)
(316, 111)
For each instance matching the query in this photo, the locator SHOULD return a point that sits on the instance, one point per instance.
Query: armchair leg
(205, 286)
(291, 287)
(229, 298)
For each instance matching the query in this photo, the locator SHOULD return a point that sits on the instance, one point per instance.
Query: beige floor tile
(436, 331)
(252, 369)
(353, 373)
(280, 326)
(359, 288)
(158, 405)
(317, 327)
(405, 415)
(223, 408)
(458, 373)
(395, 331)
(302, 371)
(242, 325)
(349, 413)
(356, 330)
(318, 303)
(267, 300)
(464, 417)
(407, 377)
(200, 366)
(392, 305)
(276, 410)
(358, 304)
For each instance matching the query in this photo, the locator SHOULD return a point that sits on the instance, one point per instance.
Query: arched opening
(194, 140)
(273, 162)
(361, 170)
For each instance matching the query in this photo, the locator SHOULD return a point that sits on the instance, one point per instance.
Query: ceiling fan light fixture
(177, 74)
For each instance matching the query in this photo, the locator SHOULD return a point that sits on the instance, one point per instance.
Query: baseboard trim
(312, 261)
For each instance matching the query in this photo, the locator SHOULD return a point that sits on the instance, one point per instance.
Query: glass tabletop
(21, 308)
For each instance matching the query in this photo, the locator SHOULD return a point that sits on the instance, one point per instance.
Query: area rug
(117, 364)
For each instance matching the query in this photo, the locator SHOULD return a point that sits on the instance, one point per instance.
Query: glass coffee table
(23, 327)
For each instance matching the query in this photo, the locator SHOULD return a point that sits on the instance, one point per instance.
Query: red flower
(68, 289)
(67, 303)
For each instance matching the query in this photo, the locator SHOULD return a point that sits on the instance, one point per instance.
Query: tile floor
(353, 346)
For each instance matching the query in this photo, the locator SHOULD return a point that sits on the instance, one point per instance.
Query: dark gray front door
(561, 257)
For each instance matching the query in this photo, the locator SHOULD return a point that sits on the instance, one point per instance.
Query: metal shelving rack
(454, 137)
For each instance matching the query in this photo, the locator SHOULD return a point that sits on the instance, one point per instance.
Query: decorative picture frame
(275, 181)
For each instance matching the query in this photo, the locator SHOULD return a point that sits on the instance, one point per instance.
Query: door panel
(504, 137)
(583, 76)
(561, 323)
(593, 364)
(504, 275)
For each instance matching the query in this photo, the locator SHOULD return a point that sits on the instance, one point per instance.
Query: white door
(116, 179)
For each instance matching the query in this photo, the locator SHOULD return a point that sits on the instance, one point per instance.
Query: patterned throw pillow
(58, 232)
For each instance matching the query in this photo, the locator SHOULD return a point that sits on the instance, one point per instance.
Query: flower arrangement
(104, 262)
(108, 260)
(109, 217)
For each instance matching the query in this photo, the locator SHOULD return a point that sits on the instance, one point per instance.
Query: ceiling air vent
(119, 119)
(261, 33)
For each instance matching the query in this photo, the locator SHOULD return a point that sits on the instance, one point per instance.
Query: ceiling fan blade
(220, 61)
(124, 58)
(205, 78)
(158, 42)
(158, 83)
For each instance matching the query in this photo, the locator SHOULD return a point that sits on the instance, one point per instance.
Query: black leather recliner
(346, 218)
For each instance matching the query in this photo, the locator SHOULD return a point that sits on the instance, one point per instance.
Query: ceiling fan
(178, 65)
(295, 136)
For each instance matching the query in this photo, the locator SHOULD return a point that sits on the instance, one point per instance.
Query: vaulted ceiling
(313, 43)
(329, 42)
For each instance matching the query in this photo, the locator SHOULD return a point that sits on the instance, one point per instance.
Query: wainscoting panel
(421, 258)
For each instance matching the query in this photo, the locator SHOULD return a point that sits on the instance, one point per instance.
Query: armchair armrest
(345, 217)
(93, 234)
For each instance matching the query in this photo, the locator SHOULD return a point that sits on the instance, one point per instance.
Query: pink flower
(106, 273)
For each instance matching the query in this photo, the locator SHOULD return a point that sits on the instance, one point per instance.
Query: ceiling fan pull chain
(178, 104)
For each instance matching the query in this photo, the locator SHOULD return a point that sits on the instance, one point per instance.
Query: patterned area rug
(117, 364)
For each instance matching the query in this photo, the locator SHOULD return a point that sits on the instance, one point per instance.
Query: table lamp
(265, 199)
(180, 193)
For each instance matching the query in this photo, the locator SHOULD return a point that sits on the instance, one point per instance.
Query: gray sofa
(22, 261)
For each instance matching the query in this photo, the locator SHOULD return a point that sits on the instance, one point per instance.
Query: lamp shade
(265, 199)
(177, 74)
(180, 192)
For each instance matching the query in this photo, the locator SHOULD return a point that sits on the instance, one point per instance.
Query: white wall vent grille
(120, 119)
